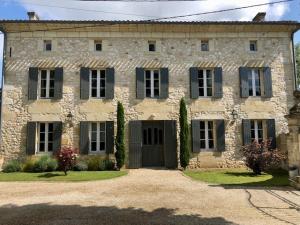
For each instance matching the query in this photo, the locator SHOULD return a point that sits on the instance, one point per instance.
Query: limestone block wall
(127, 51)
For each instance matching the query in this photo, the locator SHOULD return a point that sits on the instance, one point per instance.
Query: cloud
(145, 10)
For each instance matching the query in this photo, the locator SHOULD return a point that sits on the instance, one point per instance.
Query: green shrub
(12, 166)
(45, 164)
(80, 166)
(28, 165)
(109, 164)
(120, 146)
(102, 165)
(93, 163)
(184, 136)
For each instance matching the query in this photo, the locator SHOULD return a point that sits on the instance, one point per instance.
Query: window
(256, 130)
(98, 46)
(253, 46)
(152, 83)
(47, 83)
(254, 82)
(97, 137)
(204, 45)
(205, 82)
(152, 46)
(47, 45)
(97, 83)
(152, 136)
(206, 134)
(45, 137)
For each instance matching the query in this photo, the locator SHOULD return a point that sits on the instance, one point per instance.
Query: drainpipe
(3, 74)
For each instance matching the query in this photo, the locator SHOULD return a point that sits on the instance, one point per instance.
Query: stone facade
(127, 50)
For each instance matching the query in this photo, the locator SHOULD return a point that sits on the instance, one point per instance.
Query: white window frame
(47, 84)
(152, 82)
(256, 129)
(206, 135)
(46, 138)
(98, 151)
(98, 84)
(205, 82)
(45, 44)
(253, 83)
(202, 42)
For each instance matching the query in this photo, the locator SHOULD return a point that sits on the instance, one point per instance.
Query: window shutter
(84, 83)
(84, 138)
(164, 83)
(110, 83)
(57, 128)
(135, 144)
(31, 138)
(218, 82)
(246, 132)
(244, 86)
(194, 84)
(220, 128)
(140, 83)
(267, 82)
(33, 83)
(196, 135)
(58, 83)
(170, 141)
(271, 132)
(109, 137)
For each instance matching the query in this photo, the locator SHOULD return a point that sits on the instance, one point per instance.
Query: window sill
(43, 153)
(97, 153)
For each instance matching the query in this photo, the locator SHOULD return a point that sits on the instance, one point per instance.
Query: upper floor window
(97, 136)
(97, 83)
(45, 137)
(204, 45)
(257, 130)
(152, 46)
(98, 46)
(253, 46)
(254, 82)
(152, 80)
(47, 45)
(205, 82)
(47, 83)
(206, 134)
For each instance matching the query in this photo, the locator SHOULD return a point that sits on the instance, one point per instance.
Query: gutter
(3, 74)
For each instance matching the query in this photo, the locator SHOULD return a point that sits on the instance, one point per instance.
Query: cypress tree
(120, 146)
(184, 136)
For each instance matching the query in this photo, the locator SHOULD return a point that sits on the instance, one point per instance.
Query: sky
(91, 10)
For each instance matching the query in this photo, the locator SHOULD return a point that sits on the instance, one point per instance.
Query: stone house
(63, 79)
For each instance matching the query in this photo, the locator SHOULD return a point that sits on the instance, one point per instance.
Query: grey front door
(153, 144)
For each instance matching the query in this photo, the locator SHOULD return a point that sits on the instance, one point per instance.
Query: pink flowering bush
(66, 158)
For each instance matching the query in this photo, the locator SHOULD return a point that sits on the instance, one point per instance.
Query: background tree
(120, 146)
(184, 136)
(66, 158)
(297, 56)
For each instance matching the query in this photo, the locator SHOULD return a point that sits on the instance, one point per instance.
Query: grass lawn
(239, 177)
(59, 176)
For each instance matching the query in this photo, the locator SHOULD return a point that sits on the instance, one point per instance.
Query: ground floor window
(206, 134)
(257, 130)
(97, 136)
(45, 137)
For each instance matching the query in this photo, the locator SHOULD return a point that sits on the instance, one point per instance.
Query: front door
(153, 144)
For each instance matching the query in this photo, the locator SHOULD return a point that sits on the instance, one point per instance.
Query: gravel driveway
(145, 197)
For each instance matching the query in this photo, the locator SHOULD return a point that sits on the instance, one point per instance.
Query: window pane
(94, 127)
(42, 147)
(257, 82)
(94, 136)
(102, 74)
(202, 143)
(250, 86)
(210, 134)
(44, 74)
(50, 147)
(149, 136)
(148, 93)
(43, 93)
(102, 127)
(200, 74)
(42, 127)
(201, 92)
(209, 91)
(94, 83)
(50, 136)
(156, 83)
(102, 136)
(94, 74)
(201, 83)
(156, 74)
(210, 144)
(102, 92)
(52, 73)
(94, 92)
(98, 46)
(102, 146)
(202, 134)
(156, 92)
(94, 146)
(50, 127)
(148, 83)
(102, 83)
(148, 74)
(51, 93)
(210, 124)
(161, 137)
(202, 125)
(145, 139)
(259, 124)
(42, 137)
(155, 136)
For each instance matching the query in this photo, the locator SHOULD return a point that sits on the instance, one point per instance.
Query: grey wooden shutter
(218, 82)
(271, 132)
(244, 86)
(164, 83)
(196, 135)
(220, 130)
(194, 84)
(57, 128)
(110, 83)
(140, 83)
(84, 137)
(31, 138)
(33, 83)
(84, 83)
(58, 83)
(109, 146)
(170, 144)
(267, 77)
(246, 126)
(135, 144)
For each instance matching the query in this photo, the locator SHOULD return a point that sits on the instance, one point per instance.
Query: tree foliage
(66, 158)
(184, 136)
(120, 146)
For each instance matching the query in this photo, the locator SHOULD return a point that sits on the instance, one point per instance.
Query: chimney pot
(259, 17)
(32, 16)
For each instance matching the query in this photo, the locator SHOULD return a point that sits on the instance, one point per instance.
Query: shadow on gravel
(46, 214)
(49, 175)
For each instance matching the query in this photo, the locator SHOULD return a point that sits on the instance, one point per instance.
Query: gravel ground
(144, 197)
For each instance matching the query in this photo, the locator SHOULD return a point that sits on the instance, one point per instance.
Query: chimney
(32, 16)
(260, 17)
